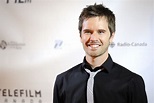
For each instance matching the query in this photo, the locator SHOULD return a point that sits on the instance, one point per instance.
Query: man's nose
(94, 36)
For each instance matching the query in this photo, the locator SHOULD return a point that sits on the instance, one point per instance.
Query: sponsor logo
(128, 44)
(3, 44)
(18, 1)
(112, 44)
(58, 44)
(20, 96)
(11, 44)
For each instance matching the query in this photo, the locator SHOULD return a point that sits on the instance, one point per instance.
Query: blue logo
(112, 44)
(58, 44)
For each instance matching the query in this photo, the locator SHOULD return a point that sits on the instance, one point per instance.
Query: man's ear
(111, 37)
(80, 38)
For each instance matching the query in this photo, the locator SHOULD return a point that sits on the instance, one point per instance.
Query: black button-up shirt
(114, 84)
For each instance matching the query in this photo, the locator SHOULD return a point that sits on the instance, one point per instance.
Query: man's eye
(87, 32)
(101, 31)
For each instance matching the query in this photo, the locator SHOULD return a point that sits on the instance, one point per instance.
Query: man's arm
(56, 92)
(137, 93)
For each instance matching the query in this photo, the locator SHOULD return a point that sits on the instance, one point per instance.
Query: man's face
(95, 36)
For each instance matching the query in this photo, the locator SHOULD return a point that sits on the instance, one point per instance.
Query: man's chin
(93, 54)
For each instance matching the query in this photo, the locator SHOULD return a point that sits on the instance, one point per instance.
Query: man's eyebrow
(87, 30)
(102, 30)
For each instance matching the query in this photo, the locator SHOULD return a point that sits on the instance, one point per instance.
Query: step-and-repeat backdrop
(39, 39)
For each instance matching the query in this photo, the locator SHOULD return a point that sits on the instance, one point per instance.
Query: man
(98, 79)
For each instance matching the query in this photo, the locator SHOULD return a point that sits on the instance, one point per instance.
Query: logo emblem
(112, 45)
(3, 44)
(58, 44)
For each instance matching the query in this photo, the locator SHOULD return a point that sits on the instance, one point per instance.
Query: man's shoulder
(71, 70)
(131, 76)
(125, 71)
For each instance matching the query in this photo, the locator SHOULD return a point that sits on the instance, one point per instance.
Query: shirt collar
(107, 65)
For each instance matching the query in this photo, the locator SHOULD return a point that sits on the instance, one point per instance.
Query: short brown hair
(97, 10)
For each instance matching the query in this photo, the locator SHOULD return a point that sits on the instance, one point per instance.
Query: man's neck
(96, 61)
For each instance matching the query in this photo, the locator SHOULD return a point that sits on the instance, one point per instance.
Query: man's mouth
(93, 46)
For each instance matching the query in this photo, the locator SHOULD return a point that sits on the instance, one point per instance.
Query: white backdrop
(39, 39)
